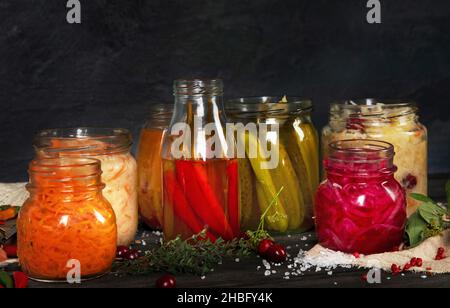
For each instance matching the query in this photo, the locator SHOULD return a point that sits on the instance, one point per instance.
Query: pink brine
(360, 207)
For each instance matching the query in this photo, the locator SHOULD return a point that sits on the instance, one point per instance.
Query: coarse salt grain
(267, 273)
(236, 260)
(203, 277)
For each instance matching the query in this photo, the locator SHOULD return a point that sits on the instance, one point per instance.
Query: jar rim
(194, 87)
(269, 105)
(374, 108)
(360, 149)
(66, 173)
(113, 140)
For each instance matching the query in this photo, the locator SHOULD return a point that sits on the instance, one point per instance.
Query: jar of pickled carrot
(395, 122)
(119, 168)
(297, 171)
(149, 165)
(66, 221)
(360, 207)
(200, 181)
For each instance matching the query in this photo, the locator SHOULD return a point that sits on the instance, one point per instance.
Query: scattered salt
(423, 276)
(203, 277)
(236, 260)
(267, 273)
(266, 264)
(274, 271)
(304, 238)
(258, 267)
(330, 273)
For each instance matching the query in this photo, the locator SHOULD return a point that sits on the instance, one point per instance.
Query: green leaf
(415, 229)
(421, 197)
(6, 280)
(431, 213)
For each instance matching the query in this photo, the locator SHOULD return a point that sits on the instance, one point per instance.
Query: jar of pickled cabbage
(296, 175)
(393, 122)
(119, 168)
(200, 180)
(66, 221)
(149, 165)
(360, 207)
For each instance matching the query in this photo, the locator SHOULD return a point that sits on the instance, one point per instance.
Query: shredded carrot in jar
(65, 221)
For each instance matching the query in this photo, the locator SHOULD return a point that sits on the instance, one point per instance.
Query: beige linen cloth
(426, 250)
(15, 194)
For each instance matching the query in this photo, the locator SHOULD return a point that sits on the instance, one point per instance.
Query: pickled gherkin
(297, 171)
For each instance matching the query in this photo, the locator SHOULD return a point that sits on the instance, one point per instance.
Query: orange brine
(150, 177)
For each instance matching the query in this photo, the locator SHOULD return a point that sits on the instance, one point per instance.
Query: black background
(125, 54)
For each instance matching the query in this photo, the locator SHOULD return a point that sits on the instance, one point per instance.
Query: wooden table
(245, 274)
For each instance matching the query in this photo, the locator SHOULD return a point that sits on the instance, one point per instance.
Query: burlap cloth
(15, 194)
(426, 250)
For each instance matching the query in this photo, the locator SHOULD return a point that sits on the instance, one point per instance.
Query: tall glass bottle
(201, 189)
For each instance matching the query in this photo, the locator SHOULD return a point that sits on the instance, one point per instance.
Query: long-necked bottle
(201, 189)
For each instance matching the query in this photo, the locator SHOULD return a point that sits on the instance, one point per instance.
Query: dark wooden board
(244, 274)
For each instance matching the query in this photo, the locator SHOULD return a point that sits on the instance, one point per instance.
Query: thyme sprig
(195, 255)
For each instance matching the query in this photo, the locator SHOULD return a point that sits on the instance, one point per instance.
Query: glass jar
(65, 218)
(119, 169)
(360, 207)
(298, 168)
(200, 181)
(149, 165)
(393, 122)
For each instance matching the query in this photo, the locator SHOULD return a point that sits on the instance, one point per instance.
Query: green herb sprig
(196, 255)
(429, 220)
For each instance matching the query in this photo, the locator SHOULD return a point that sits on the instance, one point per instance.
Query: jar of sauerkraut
(150, 165)
(119, 168)
(66, 224)
(395, 122)
(295, 176)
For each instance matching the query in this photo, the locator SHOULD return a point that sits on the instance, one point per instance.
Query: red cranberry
(166, 282)
(356, 255)
(440, 253)
(410, 181)
(264, 247)
(244, 236)
(122, 251)
(413, 262)
(11, 250)
(131, 255)
(407, 266)
(395, 269)
(419, 262)
(277, 254)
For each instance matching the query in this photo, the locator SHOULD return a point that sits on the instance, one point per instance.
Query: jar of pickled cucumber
(395, 122)
(66, 224)
(119, 170)
(150, 164)
(295, 177)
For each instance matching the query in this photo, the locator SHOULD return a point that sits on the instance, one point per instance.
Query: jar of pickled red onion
(66, 221)
(150, 164)
(393, 121)
(119, 169)
(360, 207)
